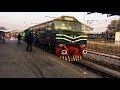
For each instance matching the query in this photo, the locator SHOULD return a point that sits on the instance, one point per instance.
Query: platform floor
(16, 62)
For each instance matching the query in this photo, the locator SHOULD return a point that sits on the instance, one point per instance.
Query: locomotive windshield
(67, 25)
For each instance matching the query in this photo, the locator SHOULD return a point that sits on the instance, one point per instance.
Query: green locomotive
(63, 36)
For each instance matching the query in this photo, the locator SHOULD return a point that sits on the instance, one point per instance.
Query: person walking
(19, 39)
(3, 37)
(29, 40)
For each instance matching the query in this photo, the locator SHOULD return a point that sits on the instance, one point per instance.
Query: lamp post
(24, 24)
(91, 21)
(88, 23)
(84, 22)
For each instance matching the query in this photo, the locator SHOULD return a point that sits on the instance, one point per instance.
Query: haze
(22, 20)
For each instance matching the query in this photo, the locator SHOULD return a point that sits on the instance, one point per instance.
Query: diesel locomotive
(63, 36)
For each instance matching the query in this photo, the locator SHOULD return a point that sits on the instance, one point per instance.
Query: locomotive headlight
(83, 45)
(84, 52)
(61, 45)
(63, 52)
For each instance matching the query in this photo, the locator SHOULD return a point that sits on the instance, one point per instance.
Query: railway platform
(16, 62)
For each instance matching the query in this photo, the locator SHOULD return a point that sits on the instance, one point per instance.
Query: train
(63, 36)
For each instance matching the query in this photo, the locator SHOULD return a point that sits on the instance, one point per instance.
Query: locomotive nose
(71, 50)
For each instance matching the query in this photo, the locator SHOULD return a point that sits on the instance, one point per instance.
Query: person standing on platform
(19, 39)
(29, 40)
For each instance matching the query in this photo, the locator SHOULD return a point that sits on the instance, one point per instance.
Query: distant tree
(111, 29)
(114, 25)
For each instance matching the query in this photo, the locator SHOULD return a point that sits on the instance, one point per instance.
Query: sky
(22, 20)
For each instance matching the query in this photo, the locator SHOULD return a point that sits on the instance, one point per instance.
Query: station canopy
(109, 13)
(6, 30)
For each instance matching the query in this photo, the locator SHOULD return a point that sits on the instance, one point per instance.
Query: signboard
(68, 18)
(117, 38)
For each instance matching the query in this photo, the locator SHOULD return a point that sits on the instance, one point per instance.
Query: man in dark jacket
(19, 39)
(29, 40)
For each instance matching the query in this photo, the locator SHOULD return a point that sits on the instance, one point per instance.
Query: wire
(99, 27)
(105, 21)
(100, 23)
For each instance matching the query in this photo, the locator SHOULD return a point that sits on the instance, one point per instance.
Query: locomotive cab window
(67, 25)
(49, 26)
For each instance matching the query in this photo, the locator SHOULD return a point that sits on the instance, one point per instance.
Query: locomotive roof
(67, 18)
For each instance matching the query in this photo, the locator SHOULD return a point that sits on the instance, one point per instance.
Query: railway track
(106, 60)
(99, 70)
(111, 55)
